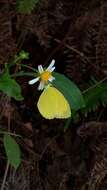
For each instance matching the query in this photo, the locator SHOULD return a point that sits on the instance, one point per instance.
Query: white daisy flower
(44, 76)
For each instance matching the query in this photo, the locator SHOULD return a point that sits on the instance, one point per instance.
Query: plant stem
(7, 165)
(20, 74)
(9, 133)
(23, 65)
(67, 124)
(5, 176)
(29, 67)
(94, 85)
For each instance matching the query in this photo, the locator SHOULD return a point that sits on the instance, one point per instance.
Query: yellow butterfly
(52, 104)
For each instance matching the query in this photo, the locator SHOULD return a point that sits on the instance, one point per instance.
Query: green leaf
(12, 151)
(10, 87)
(69, 90)
(26, 6)
(95, 97)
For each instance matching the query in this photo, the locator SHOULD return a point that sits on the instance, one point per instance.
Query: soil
(74, 33)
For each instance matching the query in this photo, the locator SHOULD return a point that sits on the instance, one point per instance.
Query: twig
(81, 54)
(64, 178)
(47, 145)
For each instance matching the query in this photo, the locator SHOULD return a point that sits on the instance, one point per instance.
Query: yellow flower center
(45, 76)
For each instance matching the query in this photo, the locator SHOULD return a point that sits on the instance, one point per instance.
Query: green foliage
(9, 86)
(70, 91)
(18, 58)
(12, 151)
(23, 55)
(26, 6)
(95, 96)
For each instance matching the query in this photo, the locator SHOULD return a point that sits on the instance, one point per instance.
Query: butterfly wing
(52, 104)
(62, 108)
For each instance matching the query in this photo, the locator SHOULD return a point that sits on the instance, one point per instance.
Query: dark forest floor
(74, 33)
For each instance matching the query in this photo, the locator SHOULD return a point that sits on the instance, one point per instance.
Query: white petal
(41, 86)
(51, 78)
(40, 68)
(52, 69)
(51, 65)
(34, 80)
